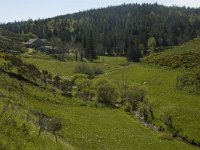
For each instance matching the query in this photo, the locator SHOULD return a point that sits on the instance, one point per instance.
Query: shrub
(57, 81)
(67, 94)
(84, 68)
(22, 70)
(91, 70)
(84, 89)
(29, 71)
(107, 92)
(127, 107)
(49, 124)
(87, 94)
(33, 71)
(135, 94)
(100, 81)
(167, 137)
(145, 111)
(174, 59)
(79, 76)
(97, 70)
(46, 76)
(66, 85)
(167, 117)
(15, 61)
(24, 128)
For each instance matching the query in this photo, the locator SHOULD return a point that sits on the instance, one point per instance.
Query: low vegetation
(186, 55)
(72, 122)
(88, 69)
(162, 93)
(134, 95)
(11, 42)
(106, 92)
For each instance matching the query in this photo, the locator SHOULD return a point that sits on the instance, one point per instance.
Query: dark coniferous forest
(130, 30)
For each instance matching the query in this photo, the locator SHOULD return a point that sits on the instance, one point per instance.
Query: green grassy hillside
(83, 125)
(66, 68)
(162, 92)
(10, 41)
(186, 55)
(160, 82)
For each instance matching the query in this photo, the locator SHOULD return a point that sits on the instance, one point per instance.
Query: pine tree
(90, 52)
(133, 52)
(114, 26)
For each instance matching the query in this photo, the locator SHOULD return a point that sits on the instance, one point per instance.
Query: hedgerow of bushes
(91, 70)
(174, 60)
(106, 92)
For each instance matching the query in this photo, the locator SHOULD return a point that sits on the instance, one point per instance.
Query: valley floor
(87, 127)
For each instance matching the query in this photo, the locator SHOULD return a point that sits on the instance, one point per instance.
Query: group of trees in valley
(131, 30)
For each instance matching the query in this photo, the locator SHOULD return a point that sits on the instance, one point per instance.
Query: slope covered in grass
(10, 41)
(56, 67)
(186, 55)
(161, 84)
(83, 125)
(162, 92)
(66, 68)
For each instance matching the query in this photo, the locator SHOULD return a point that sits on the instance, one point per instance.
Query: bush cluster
(101, 90)
(84, 88)
(174, 60)
(146, 111)
(106, 92)
(135, 94)
(91, 70)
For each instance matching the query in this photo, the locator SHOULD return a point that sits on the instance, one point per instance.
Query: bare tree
(63, 48)
(78, 49)
(54, 42)
(49, 124)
